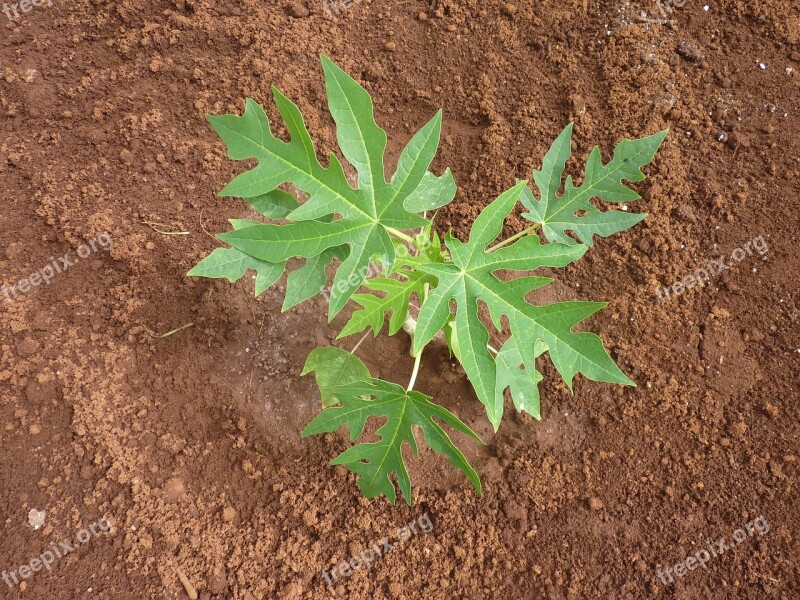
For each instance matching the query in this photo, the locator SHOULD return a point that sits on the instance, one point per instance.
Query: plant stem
(513, 238)
(418, 357)
(400, 235)
(417, 362)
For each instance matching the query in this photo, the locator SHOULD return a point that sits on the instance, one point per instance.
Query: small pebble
(36, 518)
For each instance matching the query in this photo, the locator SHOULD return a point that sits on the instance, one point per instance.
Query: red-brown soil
(190, 443)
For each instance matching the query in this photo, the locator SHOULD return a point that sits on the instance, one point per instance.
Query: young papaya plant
(387, 257)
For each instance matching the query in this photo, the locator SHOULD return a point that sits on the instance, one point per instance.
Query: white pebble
(36, 518)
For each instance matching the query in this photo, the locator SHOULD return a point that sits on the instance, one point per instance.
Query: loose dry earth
(190, 444)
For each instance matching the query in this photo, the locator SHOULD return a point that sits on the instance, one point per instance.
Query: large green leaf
(364, 216)
(559, 214)
(376, 461)
(470, 278)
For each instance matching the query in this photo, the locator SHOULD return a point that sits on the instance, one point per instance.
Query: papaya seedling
(387, 255)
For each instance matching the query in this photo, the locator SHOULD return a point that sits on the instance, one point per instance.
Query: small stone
(126, 156)
(595, 503)
(228, 514)
(150, 246)
(422, 16)
(736, 140)
(35, 429)
(390, 46)
(169, 442)
(776, 469)
(36, 518)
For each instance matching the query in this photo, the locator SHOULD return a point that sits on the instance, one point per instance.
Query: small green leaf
(451, 337)
(512, 374)
(334, 367)
(231, 264)
(397, 294)
(559, 214)
(376, 462)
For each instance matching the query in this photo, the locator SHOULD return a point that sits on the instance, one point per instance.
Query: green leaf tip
(559, 214)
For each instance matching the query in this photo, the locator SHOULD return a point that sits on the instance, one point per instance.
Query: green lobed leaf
(514, 376)
(364, 214)
(393, 295)
(470, 278)
(397, 294)
(333, 367)
(558, 214)
(375, 462)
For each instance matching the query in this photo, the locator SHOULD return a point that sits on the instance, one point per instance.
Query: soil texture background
(189, 444)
